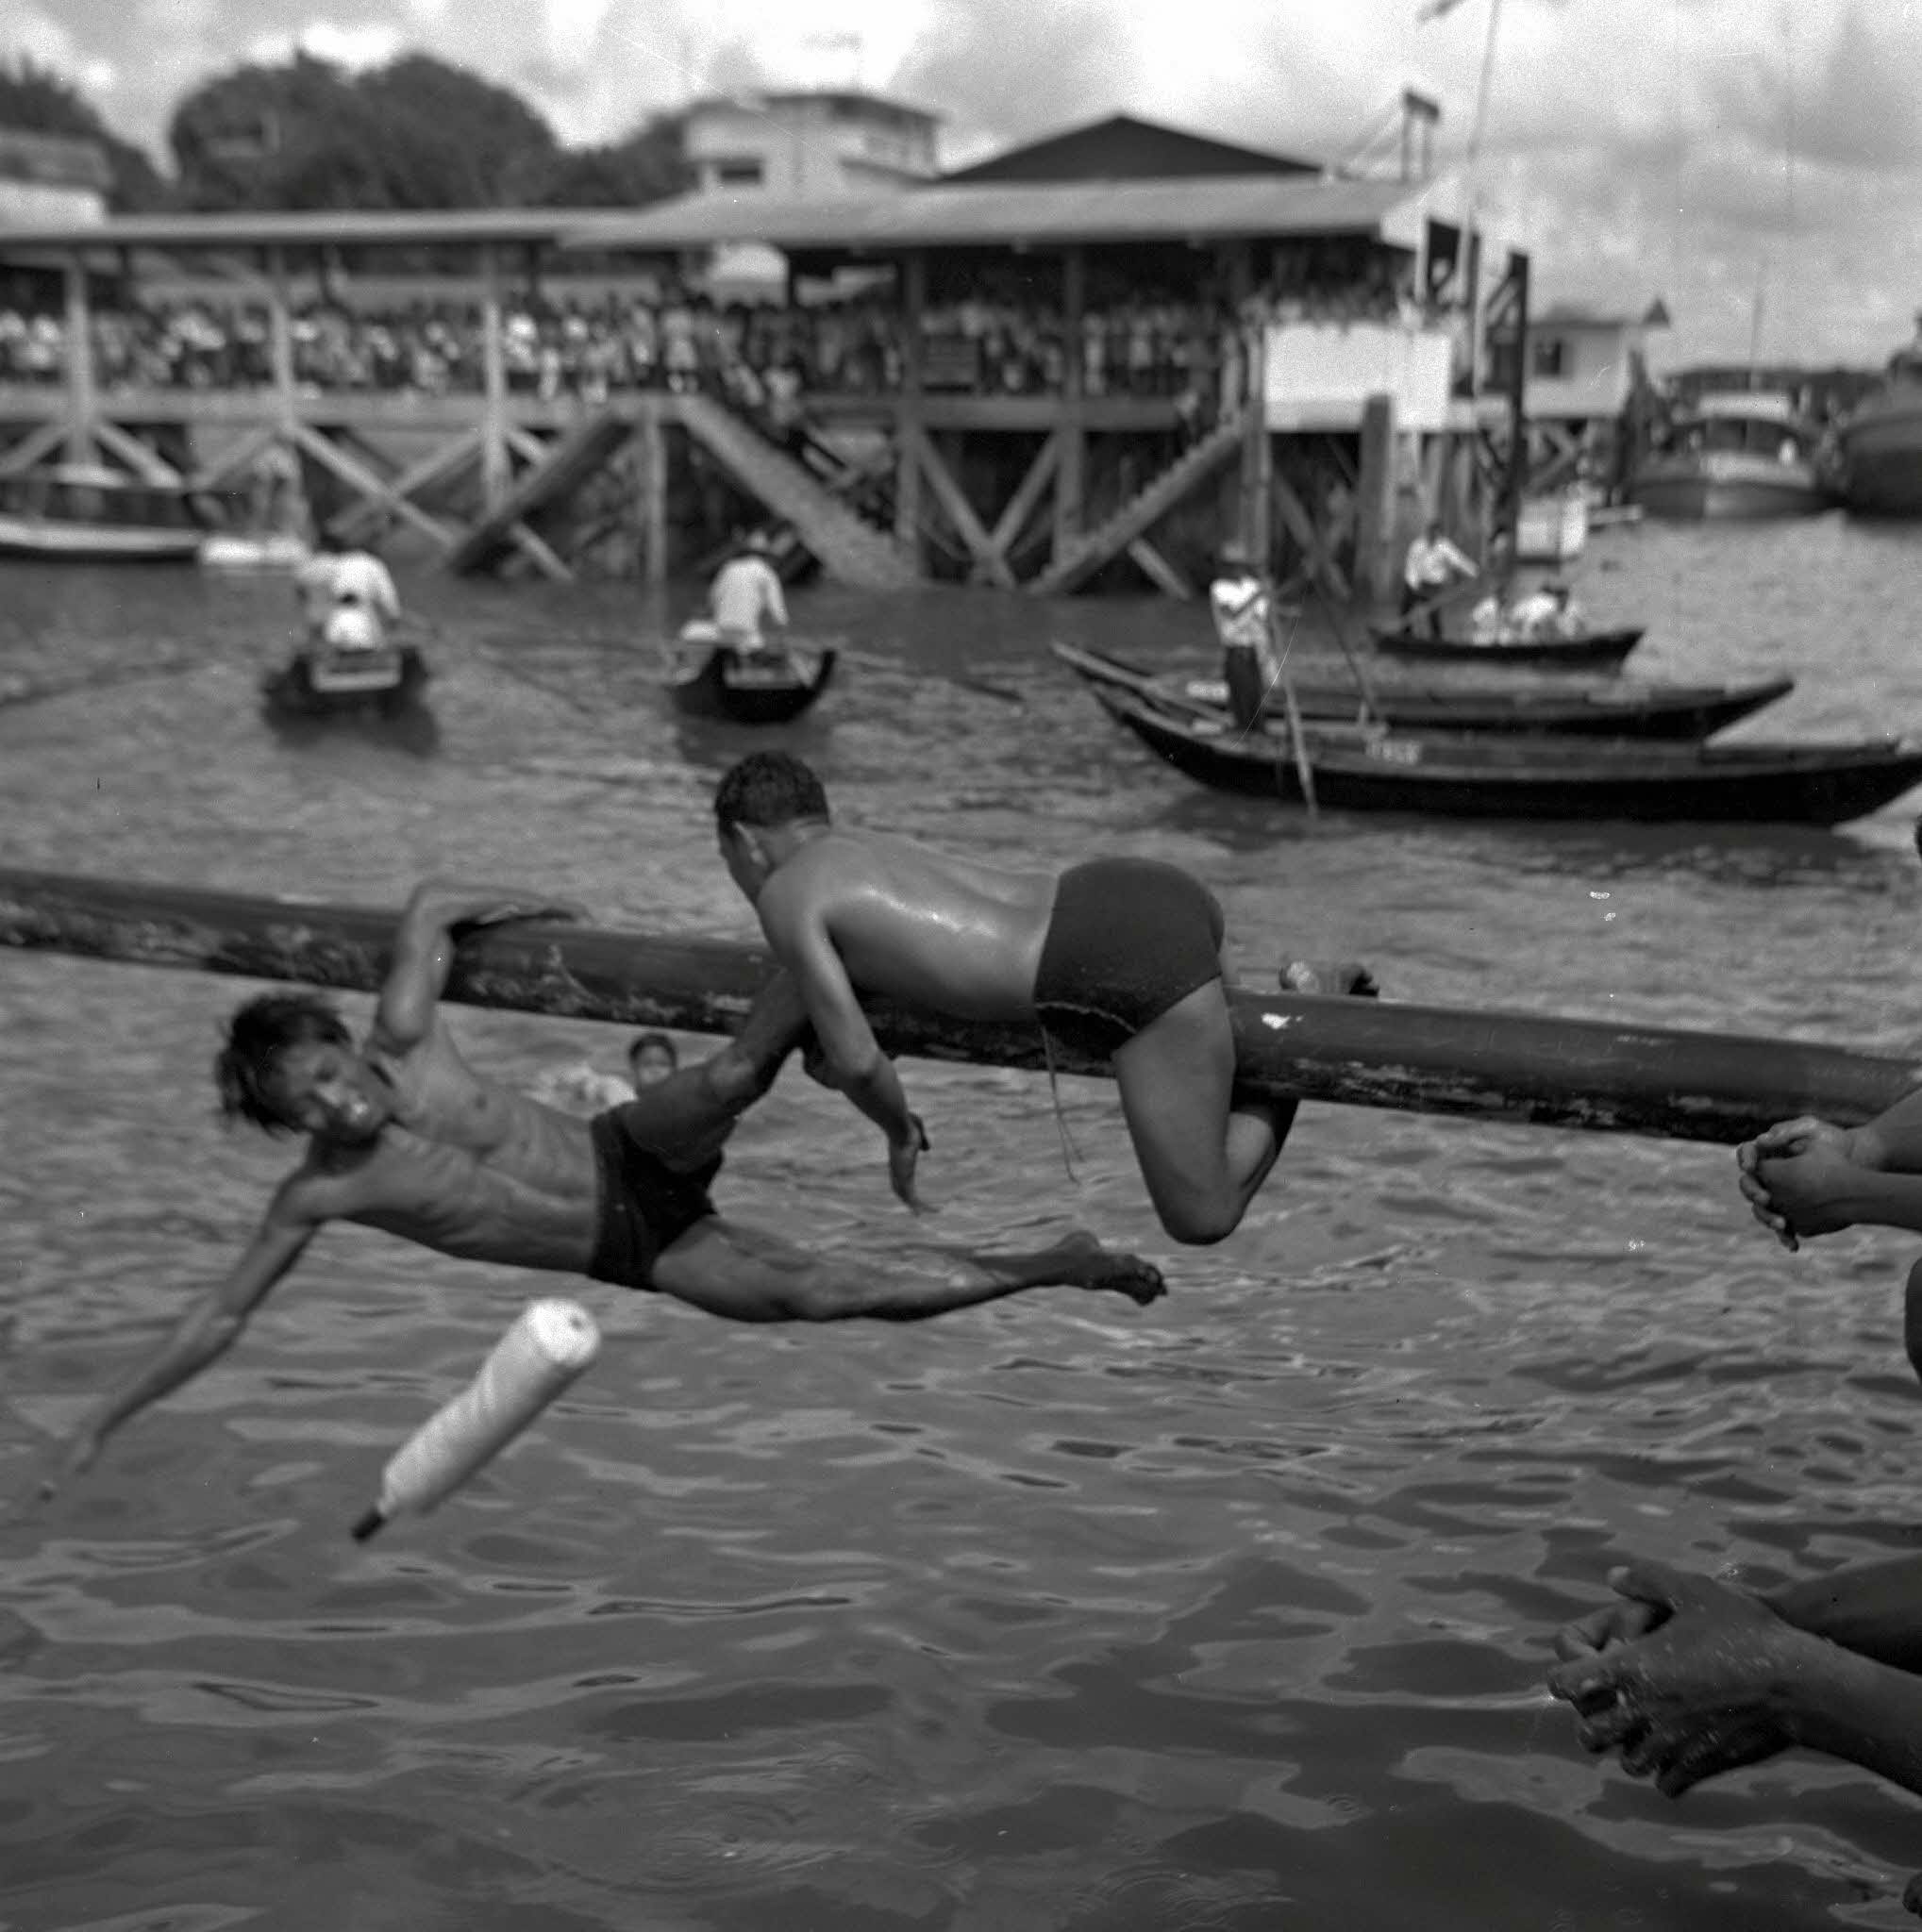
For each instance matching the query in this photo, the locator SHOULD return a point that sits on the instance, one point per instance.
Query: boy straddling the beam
(402, 1135)
(1118, 957)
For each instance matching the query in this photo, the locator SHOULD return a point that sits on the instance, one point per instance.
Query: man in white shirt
(347, 597)
(1432, 563)
(746, 593)
(1244, 615)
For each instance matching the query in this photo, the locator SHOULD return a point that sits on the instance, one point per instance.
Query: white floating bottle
(550, 1344)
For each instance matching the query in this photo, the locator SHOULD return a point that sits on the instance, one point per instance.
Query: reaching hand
(904, 1155)
(1698, 1694)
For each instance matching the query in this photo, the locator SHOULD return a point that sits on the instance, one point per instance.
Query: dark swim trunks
(1130, 938)
(644, 1204)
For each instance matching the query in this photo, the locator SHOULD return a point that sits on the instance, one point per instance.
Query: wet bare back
(916, 924)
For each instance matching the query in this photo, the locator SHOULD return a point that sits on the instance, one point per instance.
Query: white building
(808, 146)
(49, 178)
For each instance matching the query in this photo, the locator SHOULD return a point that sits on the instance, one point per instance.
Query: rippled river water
(1047, 1617)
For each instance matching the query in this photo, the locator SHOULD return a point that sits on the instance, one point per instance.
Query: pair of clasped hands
(1685, 1676)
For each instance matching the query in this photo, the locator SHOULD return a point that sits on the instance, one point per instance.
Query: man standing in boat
(1431, 564)
(347, 598)
(404, 1136)
(1244, 613)
(745, 595)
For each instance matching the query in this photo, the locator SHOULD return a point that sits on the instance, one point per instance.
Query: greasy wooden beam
(1517, 1066)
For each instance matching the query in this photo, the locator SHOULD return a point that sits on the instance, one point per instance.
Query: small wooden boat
(1595, 650)
(1648, 711)
(81, 513)
(1463, 775)
(342, 683)
(767, 687)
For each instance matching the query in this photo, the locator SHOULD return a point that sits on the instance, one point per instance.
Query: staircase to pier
(851, 550)
(1079, 560)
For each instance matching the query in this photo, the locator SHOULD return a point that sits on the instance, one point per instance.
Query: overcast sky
(1746, 162)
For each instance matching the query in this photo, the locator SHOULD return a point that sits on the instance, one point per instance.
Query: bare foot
(1330, 976)
(1085, 1264)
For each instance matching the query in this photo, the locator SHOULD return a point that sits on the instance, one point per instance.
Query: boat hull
(1466, 778)
(1598, 650)
(299, 689)
(1722, 487)
(725, 685)
(1683, 713)
(51, 539)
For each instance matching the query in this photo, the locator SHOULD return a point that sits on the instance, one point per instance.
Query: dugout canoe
(749, 688)
(1522, 1068)
(1464, 776)
(1681, 711)
(1595, 650)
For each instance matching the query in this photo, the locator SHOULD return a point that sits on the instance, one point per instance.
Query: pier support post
(495, 473)
(1071, 454)
(653, 467)
(1375, 517)
(908, 424)
(79, 347)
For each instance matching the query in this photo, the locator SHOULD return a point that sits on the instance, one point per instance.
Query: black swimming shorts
(644, 1204)
(1130, 938)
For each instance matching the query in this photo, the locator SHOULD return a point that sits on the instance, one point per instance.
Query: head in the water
(289, 1065)
(766, 805)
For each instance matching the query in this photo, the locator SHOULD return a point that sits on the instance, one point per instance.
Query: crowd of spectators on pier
(990, 338)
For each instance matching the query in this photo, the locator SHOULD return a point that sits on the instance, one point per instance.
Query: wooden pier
(1039, 491)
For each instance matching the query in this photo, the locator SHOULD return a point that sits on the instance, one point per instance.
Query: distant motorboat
(85, 514)
(1741, 455)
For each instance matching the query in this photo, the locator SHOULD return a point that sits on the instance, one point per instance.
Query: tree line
(306, 133)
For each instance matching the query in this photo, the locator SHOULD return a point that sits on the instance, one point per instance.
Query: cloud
(365, 43)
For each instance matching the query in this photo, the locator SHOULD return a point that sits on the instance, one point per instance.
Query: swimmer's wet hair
(768, 788)
(257, 1034)
(642, 1042)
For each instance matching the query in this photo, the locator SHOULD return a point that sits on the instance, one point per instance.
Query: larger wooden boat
(768, 687)
(1881, 441)
(78, 513)
(1595, 650)
(1464, 776)
(1739, 455)
(1685, 712)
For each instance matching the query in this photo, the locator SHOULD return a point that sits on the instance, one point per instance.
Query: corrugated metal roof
(1009, 215)
(340, 226)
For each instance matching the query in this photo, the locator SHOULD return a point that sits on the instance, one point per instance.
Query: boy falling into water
(404, 1136)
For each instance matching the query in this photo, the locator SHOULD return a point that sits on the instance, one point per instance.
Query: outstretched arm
(850, 1059)
(204, 1333)
(436, 917)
